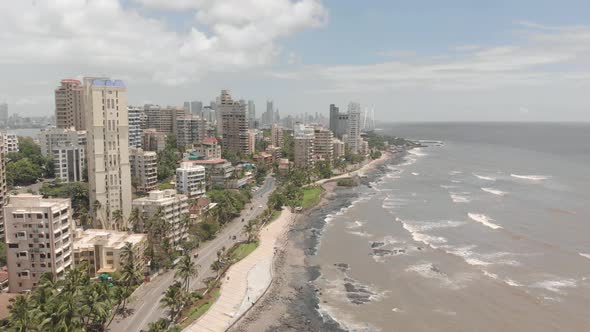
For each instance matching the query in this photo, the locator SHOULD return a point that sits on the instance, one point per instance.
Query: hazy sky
(411, 60)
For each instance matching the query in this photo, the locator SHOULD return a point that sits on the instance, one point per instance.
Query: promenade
(246, 281)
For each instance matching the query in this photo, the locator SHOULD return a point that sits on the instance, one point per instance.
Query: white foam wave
(444, 186)
(417, 152)
(584, 255)
(415, 173)
(556, 286)
(530, 177)
(455, 181)
(482, 177)
(355, 224)
(495, 191)
(455, 172)
(477, 259)
(512, 283)
(361, 234)
(423, 226)
(417, 236)
(460, 197)
(430, 271)
(484, 220)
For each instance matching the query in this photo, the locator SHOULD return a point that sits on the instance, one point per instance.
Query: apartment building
(233, 125)
(101, 250)
(144, 169)
(323, 147)
(154, 140)
(39, 239)
(134, 115)
(276, 134)
(53, 137)
(69, 111)
(304, 146)
(190, 129)
(109, 174)
(3, 187)
(163, 119)
(171, 207)
(190, 179)
(10, 142)
(69, 162)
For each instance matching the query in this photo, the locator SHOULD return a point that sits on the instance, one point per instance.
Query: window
(110, 262)
(109, 253)
(13, 245)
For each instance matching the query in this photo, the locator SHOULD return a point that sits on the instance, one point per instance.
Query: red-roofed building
(264, 159)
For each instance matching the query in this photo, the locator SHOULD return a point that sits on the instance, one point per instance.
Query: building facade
(39, 239)
(163, 119)
(209, 148)
(69, 162)
(144, 169)
(154, 140)
(3, 187)
(51, 138)
(102, 250)
(234, 125)
(10, 142)
(276, 136)
(190, 129)
(322, 144)
(191, 179)
(69, 110)
(304, 146)
(135, 131)
(172, 208)
(109, 174)
(353, 132)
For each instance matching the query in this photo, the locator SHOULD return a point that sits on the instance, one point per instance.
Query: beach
(290, 303)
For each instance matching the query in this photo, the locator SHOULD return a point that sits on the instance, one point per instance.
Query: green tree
(185, 270)
(173, 300)
(22, 172)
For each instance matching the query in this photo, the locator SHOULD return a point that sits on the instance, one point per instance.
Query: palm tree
(250, 230)
(161, 325)
(130, 273)
(186, 269)
(173, 300)
(119, 220)
(22, 316)
(135, 219)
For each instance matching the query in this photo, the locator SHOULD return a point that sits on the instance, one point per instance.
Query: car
(260, 206)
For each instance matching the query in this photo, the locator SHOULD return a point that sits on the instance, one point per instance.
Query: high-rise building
(39, 239)
(69, 111)
(3, 115)
(353, 131)
(68, 162)
(196, 108)
(171, 207)
(53, 137)
(144, 169)
(163, 119)
(334, 112)
(190, 129)
(109, 175)
(322, 146)
(135, 130)
(190, 179)
(223, 104)
(153, 140)
(251, 140)
(276, 136)
(3, 189)
(251, 114)
(234, 125)
(304, 146)
(339, 149)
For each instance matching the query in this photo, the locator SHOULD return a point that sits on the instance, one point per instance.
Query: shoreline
(291, 302)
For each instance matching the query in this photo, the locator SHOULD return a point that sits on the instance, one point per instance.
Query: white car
(260, 206)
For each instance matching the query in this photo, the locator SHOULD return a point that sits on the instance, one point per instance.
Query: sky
(453, 60)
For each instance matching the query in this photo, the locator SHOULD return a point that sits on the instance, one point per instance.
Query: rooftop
(209, 140)
(110, 239)
(207, 162)
(107, 83)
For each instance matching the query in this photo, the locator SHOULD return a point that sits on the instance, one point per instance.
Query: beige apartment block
(39, 238)
(101, 250)
(322, 144)
(144, 169)
(109, 174)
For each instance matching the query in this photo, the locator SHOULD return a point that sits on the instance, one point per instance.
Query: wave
(431, 271)
(417, 236)
(484, 220)
(584, 255)
(455, 172)
(430, 225)
(530, 177)
(482, 177)
(477, 259)
(355, 224)
(417, 152)
(460, 197)
(415, 173)
(495, 191)
(556, 286)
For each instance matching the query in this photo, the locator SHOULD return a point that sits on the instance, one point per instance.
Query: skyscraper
(233, 125)
(354, 127)
(69, 111)
(334, 112)
(3, 115)
(304, 146)
(105, 103)
(251, 114)
(2, 184)
(135, 131)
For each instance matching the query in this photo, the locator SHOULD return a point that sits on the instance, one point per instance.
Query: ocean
(489, 231)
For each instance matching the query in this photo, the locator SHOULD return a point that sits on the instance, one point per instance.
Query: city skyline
(525, 61)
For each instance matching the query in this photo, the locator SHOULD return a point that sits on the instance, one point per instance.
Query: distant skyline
(412, 61)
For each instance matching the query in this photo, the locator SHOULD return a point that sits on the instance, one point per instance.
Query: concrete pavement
(145, 302)
(246, 281)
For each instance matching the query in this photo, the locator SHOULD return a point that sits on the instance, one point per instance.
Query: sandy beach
(289, 304)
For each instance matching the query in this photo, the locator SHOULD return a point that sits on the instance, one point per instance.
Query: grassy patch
(311, 196)
(243, 250)
(200, 307)
(275, 215)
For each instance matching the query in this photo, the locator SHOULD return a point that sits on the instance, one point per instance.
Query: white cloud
(397, 54)
(104, 36)
(543, 57)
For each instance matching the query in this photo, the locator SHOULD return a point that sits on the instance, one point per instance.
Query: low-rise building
(170, 206)
(284, 166)
(264, 159)
(39, 239)
(154, 140)
(219, 171)
(53, 137)
(339, 149)
(190, 179)
(209, 148)
(101, 250)
(144, 169)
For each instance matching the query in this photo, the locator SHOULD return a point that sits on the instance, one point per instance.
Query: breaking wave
(484, 220)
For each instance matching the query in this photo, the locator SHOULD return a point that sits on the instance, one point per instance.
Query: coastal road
(145, 302)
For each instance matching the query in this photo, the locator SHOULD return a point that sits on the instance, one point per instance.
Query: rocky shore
(291, 304)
